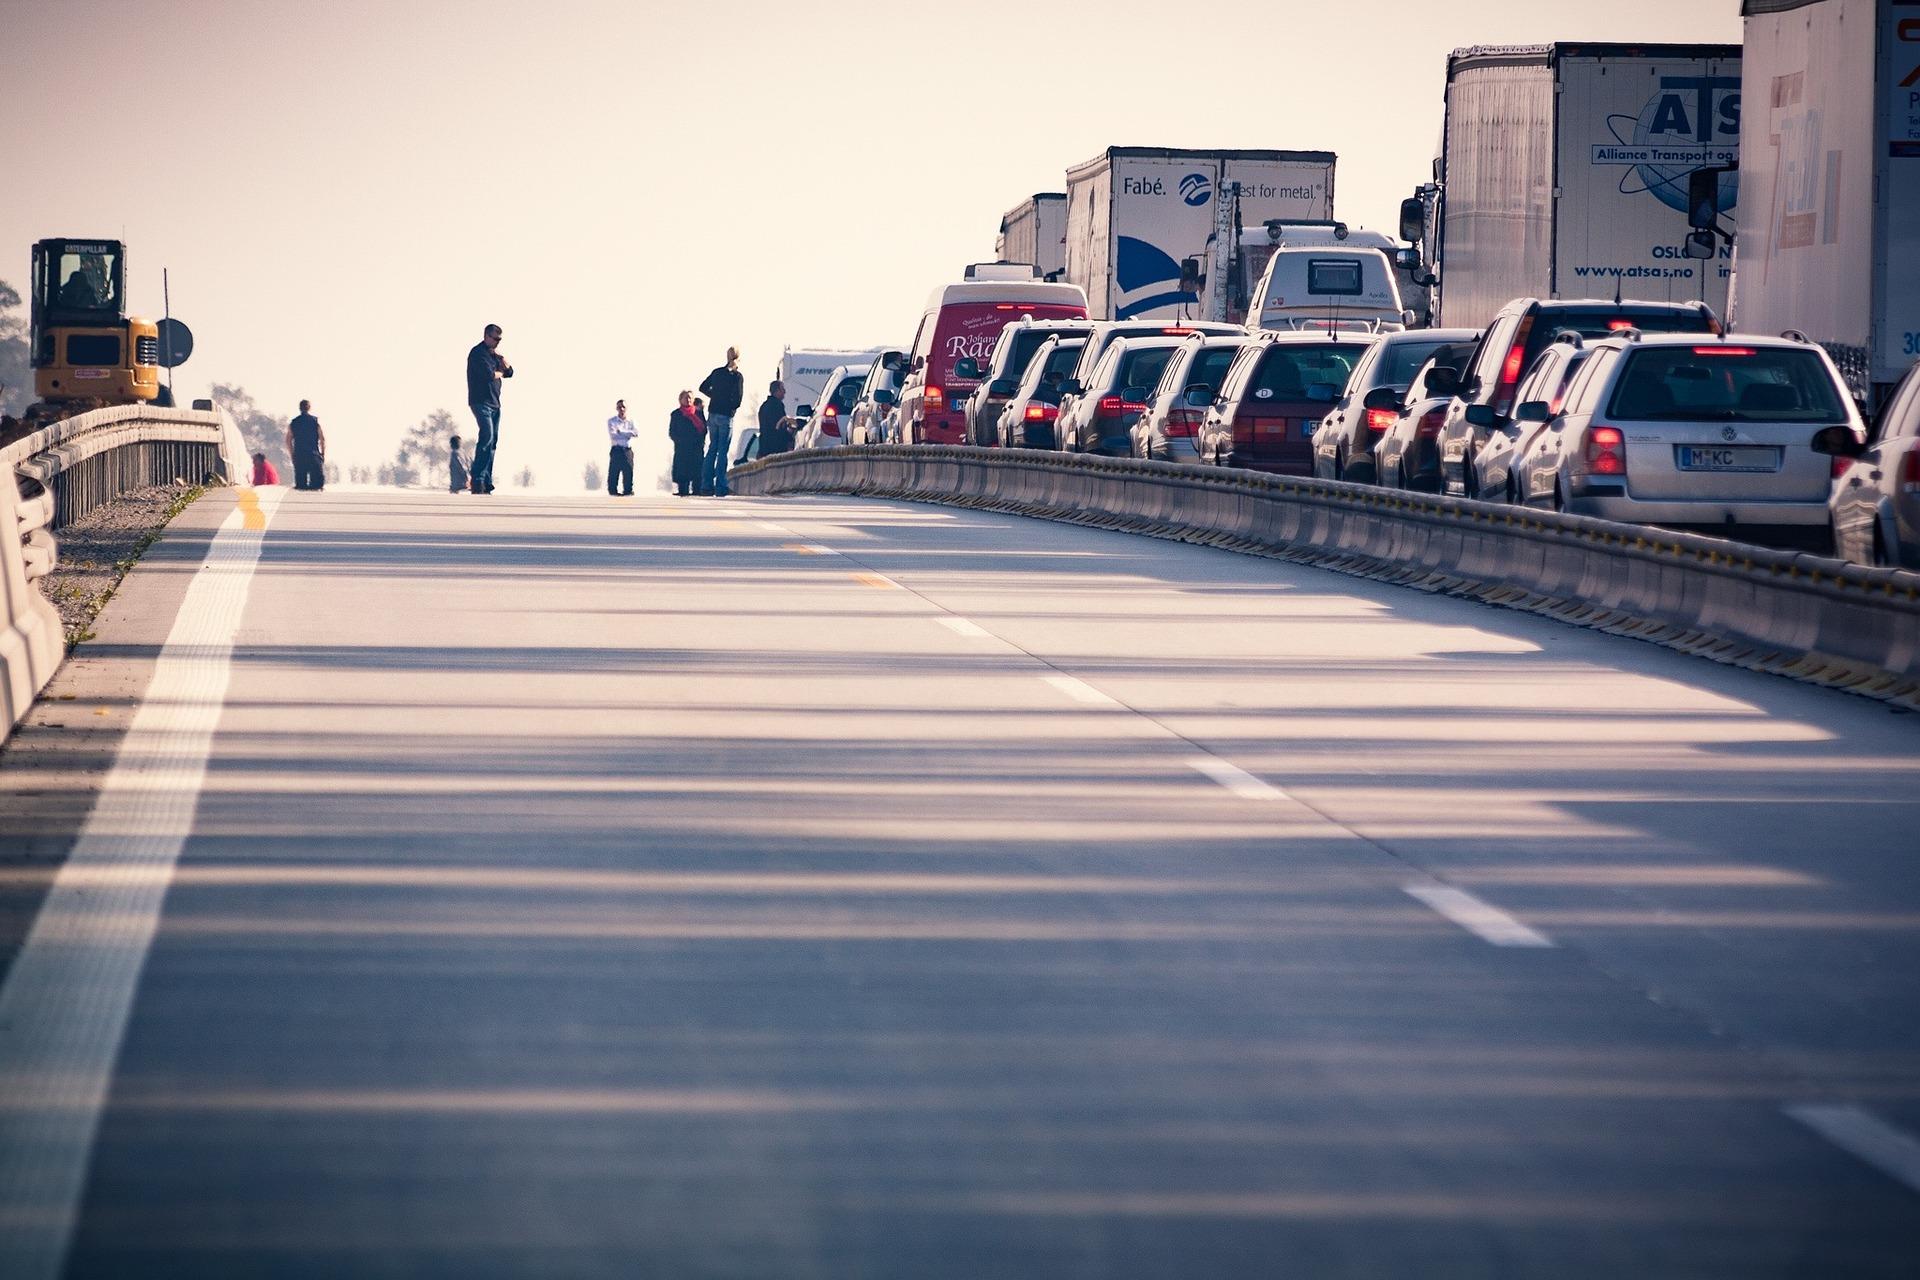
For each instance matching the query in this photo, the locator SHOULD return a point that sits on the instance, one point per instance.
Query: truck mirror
(1703, 198)
(1192, 278)
(1700, 245)
(1406, 259)
(1413, 219)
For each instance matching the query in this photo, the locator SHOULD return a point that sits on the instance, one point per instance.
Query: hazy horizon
(344, 193)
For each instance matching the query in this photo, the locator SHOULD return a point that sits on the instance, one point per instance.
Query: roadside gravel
(97, 550)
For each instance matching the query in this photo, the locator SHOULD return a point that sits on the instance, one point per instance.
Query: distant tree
(525, 478)
(16, 374)
(333, 472)
(423, 450)
(592, 475)
(359, 474)
(263, 432)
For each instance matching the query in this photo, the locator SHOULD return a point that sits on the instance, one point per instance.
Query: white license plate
(1699, 457)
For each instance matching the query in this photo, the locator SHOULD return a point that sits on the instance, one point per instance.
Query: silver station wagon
(1690, 431)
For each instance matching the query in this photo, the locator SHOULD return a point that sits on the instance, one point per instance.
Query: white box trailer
(1829, 225)
(1564, 173)
(806, 372)
(1035, 230)
(1133, 213)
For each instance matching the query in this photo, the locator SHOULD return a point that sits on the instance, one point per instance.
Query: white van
(1337, 288)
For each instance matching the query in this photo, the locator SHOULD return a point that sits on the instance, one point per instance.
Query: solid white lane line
(1862, 1134)
(1079, 690)
(1235, 779)
(1478, 917)
(64, 1007)
(960, 626)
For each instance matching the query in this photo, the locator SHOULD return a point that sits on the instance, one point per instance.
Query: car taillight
(830, 422)
(935, 397)
(1724, 351)
(1510, 368)
(1184, 422)
(1431, 421)
(1114, 406)
(1909, 472)
(1606, 451)
(1042, 412)
(1380, 419)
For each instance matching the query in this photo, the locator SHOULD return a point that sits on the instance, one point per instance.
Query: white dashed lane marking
(1865, 1136)
(1478, 917)
(960, 626)
(1080, 690)
(1235, 779)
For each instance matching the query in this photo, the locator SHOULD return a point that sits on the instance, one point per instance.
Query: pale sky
(345, 193)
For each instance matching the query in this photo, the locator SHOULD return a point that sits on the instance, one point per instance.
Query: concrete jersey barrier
(1804, 616)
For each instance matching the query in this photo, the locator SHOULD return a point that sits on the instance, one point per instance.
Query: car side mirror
(1839, 442)
(1444, 380)
(1197, 397)
(803, 411)
(967, 367)
(884, 397)
(1381, 398)
(1530, 411)
(1071, 387)
(1135, 395)
(1482, 415)
(1323, 392)
(1002, 387)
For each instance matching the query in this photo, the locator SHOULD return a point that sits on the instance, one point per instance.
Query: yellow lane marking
(251, 516)
(875, 580)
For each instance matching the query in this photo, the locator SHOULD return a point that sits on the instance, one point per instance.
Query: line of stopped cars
(1647, 412)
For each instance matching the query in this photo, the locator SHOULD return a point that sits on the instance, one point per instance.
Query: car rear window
(1143, 368)
(847, 392)
(1287, 371)
(1725, 382)
(1025, 343)
(1064, 357)
(1209, 368)
(1401, 360)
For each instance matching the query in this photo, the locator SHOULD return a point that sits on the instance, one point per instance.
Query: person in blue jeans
(724, 389)
(485, 368)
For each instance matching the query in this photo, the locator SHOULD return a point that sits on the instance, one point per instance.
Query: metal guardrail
(1804, 616)
(58, 474)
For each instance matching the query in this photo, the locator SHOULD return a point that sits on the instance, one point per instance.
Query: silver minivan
(1712, 433)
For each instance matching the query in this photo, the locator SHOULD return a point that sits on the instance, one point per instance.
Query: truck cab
(82, 344)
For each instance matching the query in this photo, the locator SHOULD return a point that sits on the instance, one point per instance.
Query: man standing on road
(620, 431)
(776, 428)
(485, 368)
(724, 389)
(308, 445)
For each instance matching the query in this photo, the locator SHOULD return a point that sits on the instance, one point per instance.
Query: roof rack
(1794, 335)
(1629, 334)
(1569, 336)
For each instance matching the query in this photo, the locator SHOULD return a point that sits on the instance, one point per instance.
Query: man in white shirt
(620, 431)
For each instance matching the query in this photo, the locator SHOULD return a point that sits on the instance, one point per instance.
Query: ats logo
(1691, 122)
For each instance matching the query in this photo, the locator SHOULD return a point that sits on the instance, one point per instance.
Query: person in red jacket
(263, 471)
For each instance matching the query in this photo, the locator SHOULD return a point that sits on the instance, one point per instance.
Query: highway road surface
(830, 889)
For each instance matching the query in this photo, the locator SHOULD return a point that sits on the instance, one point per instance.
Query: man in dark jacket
(724, 389)
(776, 428)
(308, 445)
(485, 368)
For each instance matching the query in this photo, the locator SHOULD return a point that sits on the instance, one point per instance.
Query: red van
(962, 322)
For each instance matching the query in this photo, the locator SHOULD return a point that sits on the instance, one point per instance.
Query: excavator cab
(84, 346)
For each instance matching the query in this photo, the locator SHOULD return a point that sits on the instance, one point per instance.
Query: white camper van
(1335, 288)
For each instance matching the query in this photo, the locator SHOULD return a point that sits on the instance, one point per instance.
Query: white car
(1694, 431)
(826, 428)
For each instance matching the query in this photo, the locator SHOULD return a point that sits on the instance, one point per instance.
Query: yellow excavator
(86, 351)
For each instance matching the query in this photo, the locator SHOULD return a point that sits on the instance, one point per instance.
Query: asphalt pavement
(841, 889)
